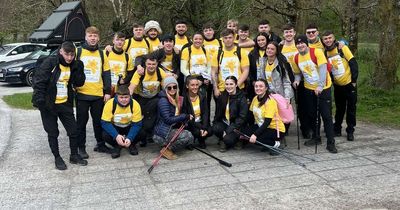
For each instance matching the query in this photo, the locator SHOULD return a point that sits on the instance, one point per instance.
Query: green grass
(19, 100)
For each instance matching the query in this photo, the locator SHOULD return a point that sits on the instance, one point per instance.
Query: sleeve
(352, 63)
(106, 76)
(41, 78)
(106, 119)
(269, 112)
(252, 66)
(242, 116)
(184, 61)
(135, 79)
(77, 74)
(166, 115)
(296, 70)
(321, 59)
(134, 130)
(126, 46)
(244, 59)
(137, 112)
(131, 65)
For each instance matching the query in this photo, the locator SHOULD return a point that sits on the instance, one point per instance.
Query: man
(312, 65)
(96, 90)
(121, 63)
(145, 89)
(313, 36)
(232, 24)
(211, 43)
(137, 45)
(263, 26)
(229, 61)
(121, 121)
(53, 95)
(180, 36)
(153, 30)
(345, 73)
(244, 41)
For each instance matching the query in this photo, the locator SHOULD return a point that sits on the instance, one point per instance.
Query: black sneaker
(116, 152)
(82, 152)
(102, 148)
(337, 133)
(350, 137)
(331, 148)
(78, 160)
(312, 142)
(133, 150)
(60, 164)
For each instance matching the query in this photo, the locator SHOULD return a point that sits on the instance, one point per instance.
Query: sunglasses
(311, 32)
(172, 87)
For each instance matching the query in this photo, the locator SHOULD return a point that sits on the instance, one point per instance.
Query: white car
(15, 51)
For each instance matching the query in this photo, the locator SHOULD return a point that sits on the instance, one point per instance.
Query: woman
(169, 117)
(267, 120)
(231, 114)
(196, 105)
(257, 59)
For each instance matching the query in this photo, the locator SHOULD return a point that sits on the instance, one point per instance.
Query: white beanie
(169, 80)
(152, 24)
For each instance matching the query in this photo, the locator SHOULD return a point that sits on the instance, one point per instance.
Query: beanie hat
(301, 39)
(169, 80)
(167, 37)
(152, 24)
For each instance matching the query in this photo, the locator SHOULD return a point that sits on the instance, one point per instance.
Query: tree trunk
(353, 25)
(384, 76)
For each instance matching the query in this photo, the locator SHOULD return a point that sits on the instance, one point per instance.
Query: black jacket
(238, 109)
(160, 56)
(45, 79)
(187, 108)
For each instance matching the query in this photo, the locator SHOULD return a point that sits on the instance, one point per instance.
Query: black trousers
(195, 130)
(345, 101)
(82, 115)
(207, 90)
(230, 139)
(149, 107)
(302, 108)
(121, 131)
(268, 137)
(324, 109)
(49, 120)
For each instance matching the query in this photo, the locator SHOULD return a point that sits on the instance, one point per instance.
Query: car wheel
(29, 77)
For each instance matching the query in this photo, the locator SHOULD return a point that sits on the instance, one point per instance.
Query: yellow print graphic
(231, 66)
(92, 66)
(201, 61)
(116, 68)
(335, 63)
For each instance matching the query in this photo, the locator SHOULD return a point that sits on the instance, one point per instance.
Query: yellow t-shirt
(229, 65)
(167, 63)
(268, 70)
(62, 85)
(289, 52)
(211, 47)
(180, 42)
(316, 45)
(151, 86)
(310, 71)
(268, 110)
(118, 66)
(93, 71)
(341, 69)
(196, 109)
(122, 117)
(197, 63)
(153, 43)
(137, 48)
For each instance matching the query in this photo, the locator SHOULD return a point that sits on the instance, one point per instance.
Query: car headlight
(16, 69)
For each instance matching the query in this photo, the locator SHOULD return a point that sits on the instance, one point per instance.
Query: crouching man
(121, 121)
(54, 84)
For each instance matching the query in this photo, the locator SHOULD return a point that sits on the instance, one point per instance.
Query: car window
(42, 52)
(29, 48)
(4, 49)
(20, 49)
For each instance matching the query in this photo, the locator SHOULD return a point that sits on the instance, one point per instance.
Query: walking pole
(317, 131)
(212, 156)
(297, 118)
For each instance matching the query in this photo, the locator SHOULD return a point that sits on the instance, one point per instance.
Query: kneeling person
(121, 121)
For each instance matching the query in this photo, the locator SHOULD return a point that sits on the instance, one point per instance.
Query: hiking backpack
(79, 53)
(115, 106)
(285, 111)
(314, 60)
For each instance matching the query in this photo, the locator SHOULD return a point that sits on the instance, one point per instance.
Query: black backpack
(79, 53)
(220, 55)
(126, 59)
(188, 45)
(130, 41)
(115, 106)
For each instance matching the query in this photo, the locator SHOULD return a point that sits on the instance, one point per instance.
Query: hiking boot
(222, 146)
(337, 133)
(238, 145)
(313, 141)
(133, 150)
(331, 148)
(102, 148)
(202, 144)
(273, 152)
(169, 155)
(350, 137)
(82, 152)
(78, 160)
(60, 164)
(116, 152)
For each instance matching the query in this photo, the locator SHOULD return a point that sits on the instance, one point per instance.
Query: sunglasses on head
(174, 87)
(311, 32)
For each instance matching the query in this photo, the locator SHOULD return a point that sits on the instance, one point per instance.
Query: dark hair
(120, 34)
(288, 27)
(263, 22)
(198, 33)
(180, 22)
(232, 78)
(267, 93)
(151, 57)
(256, 46)
(208, 25)
(167, 37)
(68, 47)
(227, 32)
(137, 25)
(311, 26)
(244, 27)
(327, 33)
(122, 89)
(281, 58)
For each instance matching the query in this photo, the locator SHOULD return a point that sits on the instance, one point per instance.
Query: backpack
(188, 45)
(285, 112)
(220, 55)
(130, 41)
(126, 59)
(79, 53)
(115, 106)
(314, 60)
(159, 77)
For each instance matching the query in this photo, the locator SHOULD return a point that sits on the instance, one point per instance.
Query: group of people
(143, 89)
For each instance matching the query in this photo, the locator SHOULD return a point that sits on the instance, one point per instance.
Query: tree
(385, 76)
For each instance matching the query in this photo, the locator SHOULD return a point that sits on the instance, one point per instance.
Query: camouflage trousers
(184, 139)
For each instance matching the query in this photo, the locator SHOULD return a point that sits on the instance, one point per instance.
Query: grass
(19, 100)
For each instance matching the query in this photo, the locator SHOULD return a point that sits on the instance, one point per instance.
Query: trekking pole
(212, 156)
(173, 139)
(297, 118)
(317, 126)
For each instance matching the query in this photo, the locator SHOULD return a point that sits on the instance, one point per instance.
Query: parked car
(15, 51)
(21, 71)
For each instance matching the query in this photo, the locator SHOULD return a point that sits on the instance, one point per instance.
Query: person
(96, 90)
(144, 89)
(345, 73)
(312, 34)
(268, 127)
(317, 83)
(257, 60)
(137, 45)
(244, 41)
(169, 116)
(152, 30)
(231, 114)
(121, 121)
(264, 27)
(121, 64)
(195, 104)
(232, 24)
(180, 37)
(53, 95)
(229, 61)
(211, 43)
